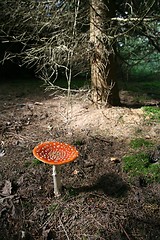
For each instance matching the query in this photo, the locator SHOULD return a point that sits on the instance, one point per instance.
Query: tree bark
(104, 89)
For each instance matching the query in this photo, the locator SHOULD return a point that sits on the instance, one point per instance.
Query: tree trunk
(104, 90)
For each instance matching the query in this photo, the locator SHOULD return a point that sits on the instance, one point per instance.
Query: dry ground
(98, 202)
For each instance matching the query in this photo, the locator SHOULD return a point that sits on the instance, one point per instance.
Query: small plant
(79, 142)
(27, 164)
(140, 142)
(36, 162)
(52, 208)
(152, 112)
(72, 192)
(139, 165)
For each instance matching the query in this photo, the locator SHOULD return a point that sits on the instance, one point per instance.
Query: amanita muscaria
(56, 154)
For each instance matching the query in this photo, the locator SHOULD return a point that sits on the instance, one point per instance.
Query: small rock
(148, 137)
(155, 156)
(115, 160)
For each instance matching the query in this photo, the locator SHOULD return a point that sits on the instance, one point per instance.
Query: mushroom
(56, 154)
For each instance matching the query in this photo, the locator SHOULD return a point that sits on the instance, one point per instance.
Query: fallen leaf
(49, 127)
(75, 172)
(2, 152)
(7, 189)
(38, 103)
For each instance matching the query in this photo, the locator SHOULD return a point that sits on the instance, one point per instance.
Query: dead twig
(62, 225)
(124, 231)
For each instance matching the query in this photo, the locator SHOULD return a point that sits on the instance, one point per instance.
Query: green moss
(36, 162)
(152, 112)
(140, 142)
(139, 165)
(27, 164)
(33, 163)
(78, 142)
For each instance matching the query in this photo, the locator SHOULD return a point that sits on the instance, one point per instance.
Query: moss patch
(140, 142)
(152, 112)
(139, 165)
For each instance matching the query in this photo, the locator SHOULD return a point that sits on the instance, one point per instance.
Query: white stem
(57, 181)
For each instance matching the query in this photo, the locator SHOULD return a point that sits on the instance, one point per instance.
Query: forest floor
(99, 202)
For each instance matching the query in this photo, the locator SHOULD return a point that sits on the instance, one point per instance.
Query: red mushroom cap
(55, 153)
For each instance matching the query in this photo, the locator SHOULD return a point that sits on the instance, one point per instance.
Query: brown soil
(98, 200)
